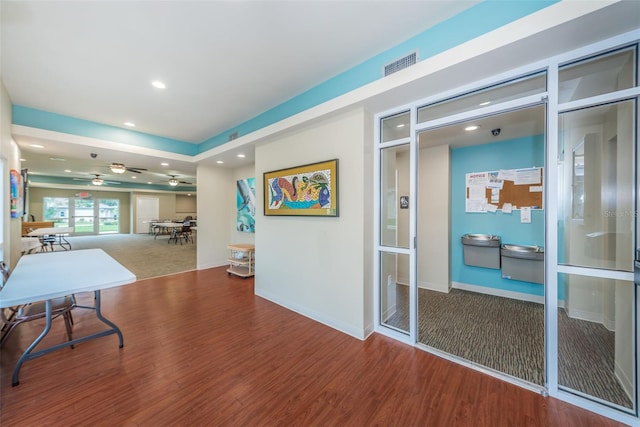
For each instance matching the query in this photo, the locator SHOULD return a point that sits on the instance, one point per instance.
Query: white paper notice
(528, 176)
(491, 208)
(477, 192)
(494, 181)
(477, 178)
(525, 215)
(507, 175)
(476, 205)
(507, 208)
(495, 195)
(535, 189)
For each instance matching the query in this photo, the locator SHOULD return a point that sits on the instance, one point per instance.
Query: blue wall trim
(471, 23)
(514, 154)
(31, 117)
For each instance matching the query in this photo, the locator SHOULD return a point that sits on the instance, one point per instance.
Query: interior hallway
(202, 349)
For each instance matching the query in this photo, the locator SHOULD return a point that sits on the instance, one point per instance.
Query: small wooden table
(241, 259)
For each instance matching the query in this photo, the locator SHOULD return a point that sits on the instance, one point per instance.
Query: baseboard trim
(360, 334)
(498, 292)
(624, 380)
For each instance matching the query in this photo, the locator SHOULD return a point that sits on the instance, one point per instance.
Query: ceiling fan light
(97, 181)
(173, 182)
(118, 168)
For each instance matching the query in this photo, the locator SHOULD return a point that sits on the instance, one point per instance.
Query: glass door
(394, 249)
(83, 216)
(108, 216)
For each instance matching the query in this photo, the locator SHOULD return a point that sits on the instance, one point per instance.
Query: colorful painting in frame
(309, 190)
(16, 192)
(246, 204)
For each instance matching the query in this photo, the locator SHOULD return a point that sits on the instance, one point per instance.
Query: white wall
(10, 155)
(216, 211)
(315, 265)
(434, 189)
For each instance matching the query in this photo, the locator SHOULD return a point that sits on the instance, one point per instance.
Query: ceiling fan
(97, 180)
(121, 168)
(173, 181)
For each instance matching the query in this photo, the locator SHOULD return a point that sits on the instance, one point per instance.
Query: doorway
(565, 320)
(147, 211)
(86, 215)
(469, 305)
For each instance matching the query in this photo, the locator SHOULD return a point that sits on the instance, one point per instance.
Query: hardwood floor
(201, 349)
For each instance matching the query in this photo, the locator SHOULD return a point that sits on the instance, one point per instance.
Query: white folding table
(50, 275)
(58, 232)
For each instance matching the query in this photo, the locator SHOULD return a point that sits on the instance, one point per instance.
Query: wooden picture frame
(308, 190)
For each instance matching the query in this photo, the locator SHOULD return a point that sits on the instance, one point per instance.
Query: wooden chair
(13, 316)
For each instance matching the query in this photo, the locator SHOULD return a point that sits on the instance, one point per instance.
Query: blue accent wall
(513, 154)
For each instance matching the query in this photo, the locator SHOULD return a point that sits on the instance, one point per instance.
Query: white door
(147, 210)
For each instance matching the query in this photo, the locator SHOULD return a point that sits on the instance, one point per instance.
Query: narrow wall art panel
(246, 204)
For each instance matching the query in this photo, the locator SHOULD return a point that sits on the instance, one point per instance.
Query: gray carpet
(508, 336)
(143, 255)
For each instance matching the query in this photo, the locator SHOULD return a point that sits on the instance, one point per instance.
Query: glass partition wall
(597, 209)
(473, 188)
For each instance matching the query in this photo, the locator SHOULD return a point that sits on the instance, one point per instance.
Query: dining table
(58, 235)
(49, 275)
(166, 228)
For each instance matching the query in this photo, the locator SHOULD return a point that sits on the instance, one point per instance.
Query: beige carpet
(141, 253)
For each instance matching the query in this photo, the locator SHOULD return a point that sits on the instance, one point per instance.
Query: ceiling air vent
(401, 63)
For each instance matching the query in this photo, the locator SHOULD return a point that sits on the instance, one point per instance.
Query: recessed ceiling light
(158, 84)
(57, 159)
(133, 176)
(37, 146)
(470, 128)
(67, 170)
(23, 160)
(219, 162)
(130, 124)
(482, 104)
(148, 182)
(241, 155)
(164, 164)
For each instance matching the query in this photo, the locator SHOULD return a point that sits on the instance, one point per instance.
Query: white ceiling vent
(401, 63)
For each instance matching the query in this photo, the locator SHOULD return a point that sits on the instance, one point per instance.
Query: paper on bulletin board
(525, 215)
(491, 208)
(476, 205)
(530, 176)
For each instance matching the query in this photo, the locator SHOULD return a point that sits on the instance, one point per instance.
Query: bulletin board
(505, 189)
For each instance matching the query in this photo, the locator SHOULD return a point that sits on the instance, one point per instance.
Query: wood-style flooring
(201, 349)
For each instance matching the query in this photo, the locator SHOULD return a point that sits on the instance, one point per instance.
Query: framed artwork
(309, 190)
(16, 192)
(246, 205)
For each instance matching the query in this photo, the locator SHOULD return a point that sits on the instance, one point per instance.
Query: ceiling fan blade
(185, 182)
(136, 170)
